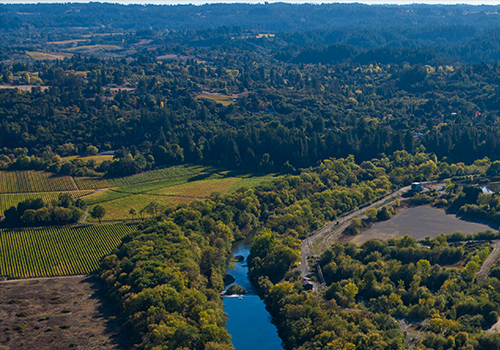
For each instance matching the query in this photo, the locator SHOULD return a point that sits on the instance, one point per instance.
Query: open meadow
(48, 56)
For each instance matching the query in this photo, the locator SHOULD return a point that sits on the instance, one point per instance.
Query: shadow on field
(486, 222)
(110, 315)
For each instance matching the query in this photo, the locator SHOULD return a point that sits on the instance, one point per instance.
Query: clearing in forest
(420, 222)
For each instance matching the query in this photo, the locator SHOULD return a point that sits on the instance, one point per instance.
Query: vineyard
(34, 181)
(26, 253)
(158, 174)
(91, 183)
(12, 199)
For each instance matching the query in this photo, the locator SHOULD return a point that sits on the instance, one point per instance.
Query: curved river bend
(248, 322)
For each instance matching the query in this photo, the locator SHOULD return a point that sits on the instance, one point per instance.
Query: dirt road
(484, 271)
(332, 231)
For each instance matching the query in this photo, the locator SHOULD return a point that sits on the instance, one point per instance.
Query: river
(248, 322)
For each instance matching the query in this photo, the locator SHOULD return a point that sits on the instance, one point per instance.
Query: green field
(12, 199)
(34, 181)
(119, 201)
(57, 251)
(91, 183)
(158, 174)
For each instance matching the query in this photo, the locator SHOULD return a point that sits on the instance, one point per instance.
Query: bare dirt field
(56, 313)
(420, 222)
(23, 87)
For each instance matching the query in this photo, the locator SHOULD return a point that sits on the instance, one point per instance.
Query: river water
(248, 322)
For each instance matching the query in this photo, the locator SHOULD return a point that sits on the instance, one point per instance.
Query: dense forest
(344, 103)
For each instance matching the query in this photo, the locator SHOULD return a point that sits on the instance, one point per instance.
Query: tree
(98, 212)
(470, 269)
(132, 212)
(372, 214)
(153, 208)
(91, 150)
(351, 290)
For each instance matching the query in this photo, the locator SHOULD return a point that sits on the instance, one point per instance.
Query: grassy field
(97, 159)
(222, 99)
(57, 251)
(159, 174)
(119, 201)
(34, 181)
(48, 56)
(64, 42)
(94, 48)
(118, 204)
(12, 199)
(91, 183)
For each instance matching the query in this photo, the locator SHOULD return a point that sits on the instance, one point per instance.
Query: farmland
(57, 313)
(89, 183)
(48, 56)
(34, 181)
(94, 48)
(169, 192)
(58, 251)
(12, 199)
(158, 174)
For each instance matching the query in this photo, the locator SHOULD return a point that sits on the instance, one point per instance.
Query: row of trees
(34, 212)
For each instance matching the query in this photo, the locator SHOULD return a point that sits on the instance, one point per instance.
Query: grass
(118, 204)
(12, 199)
(200, 189)
(159, 174)
(222, 99)
(119, 201)
(93, 48)
(48, 56)
(64, 42)
(90, 183)
(98, 159)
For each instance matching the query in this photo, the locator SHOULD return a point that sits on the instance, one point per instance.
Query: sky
(201, 2)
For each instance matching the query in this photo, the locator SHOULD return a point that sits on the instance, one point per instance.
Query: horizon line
(258, 2)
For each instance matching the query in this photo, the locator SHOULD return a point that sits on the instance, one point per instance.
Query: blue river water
(248, 322)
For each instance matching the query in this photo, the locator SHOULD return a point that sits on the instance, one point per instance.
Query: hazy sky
(200, 2)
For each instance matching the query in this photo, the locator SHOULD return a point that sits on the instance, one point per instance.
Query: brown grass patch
(93, 48)
(97, 159)
(48, 56)
(217, 98)
(57, 313)
(64, 42)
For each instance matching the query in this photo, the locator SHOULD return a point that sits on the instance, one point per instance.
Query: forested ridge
(345, 104)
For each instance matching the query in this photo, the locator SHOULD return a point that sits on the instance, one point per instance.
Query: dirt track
(332, 231)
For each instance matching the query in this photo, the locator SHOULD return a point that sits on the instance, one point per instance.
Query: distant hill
(269, 17)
